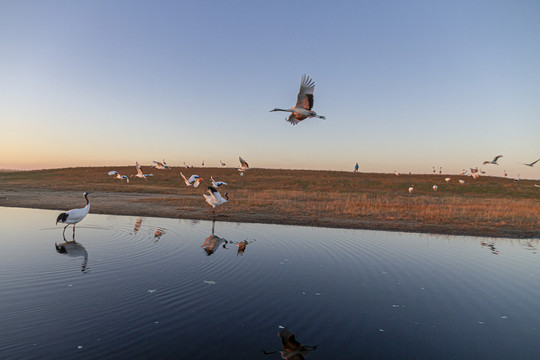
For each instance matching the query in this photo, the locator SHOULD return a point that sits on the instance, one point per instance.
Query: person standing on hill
(356, 167)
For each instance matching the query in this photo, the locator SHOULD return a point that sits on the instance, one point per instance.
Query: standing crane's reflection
(138, 223)
(211, 243)
(292, 349)
(158, 234)
(73, 249)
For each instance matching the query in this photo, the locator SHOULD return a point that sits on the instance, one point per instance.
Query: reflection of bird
(158, 233)
(304, 103)
(138, 223)
(161, 166)
(140, 174)
(73, 249)
(531, 164)
(118, 176)
(494, 161)
(215, 198)
(435, 187)
(411, 189)
(243, 166)
(211, 243)
(292, 349)
(194, 180)
(74, 216)
(217, 184)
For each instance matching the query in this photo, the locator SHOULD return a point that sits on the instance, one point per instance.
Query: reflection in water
(73, 249)
(292, 349)
(241, 246)
(211, 243)
(138, 223)
(527, 245)
(158, 233)
(491, 246)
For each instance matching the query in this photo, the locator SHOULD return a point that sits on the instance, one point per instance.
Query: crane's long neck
(285, 110)
(87, 202)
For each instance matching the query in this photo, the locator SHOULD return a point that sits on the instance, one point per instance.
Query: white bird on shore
(531, 164)
(74, 216)
(202, 164)
(494, 161)
(222, 163)
(161, 166)
(440, 170)
(517, 179)
(140, 174)
(447, 179)
(118, 176)
(462, 182)
(243, 166)
(215, 198)
(435, 187)
(217, 184)
(411, 189)
(434, 169)
(396, 173)
(505, 173)
(304, 103)
(194, 180)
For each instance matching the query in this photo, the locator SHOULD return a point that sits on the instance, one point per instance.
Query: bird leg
(64, 233)
(73, 232)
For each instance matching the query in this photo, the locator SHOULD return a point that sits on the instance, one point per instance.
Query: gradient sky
(404, 85)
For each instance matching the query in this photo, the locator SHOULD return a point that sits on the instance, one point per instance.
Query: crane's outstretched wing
(243, 162)
(292, 119)
(305, 95)
(139, 171)
(497, 158)
(183, 177)
(112, 172)
(192, 178)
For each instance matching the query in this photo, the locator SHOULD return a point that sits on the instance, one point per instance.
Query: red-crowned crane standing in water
(304, 103)
(74, 216)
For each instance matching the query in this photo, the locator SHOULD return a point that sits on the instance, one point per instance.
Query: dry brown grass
(487, 206)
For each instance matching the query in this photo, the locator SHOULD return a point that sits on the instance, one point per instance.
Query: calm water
(162, 288)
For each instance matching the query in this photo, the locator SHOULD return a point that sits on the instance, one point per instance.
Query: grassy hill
(488, 206)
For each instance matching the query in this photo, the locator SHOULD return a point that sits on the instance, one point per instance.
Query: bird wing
(192, 178)
(305, 95)
(531, 164)
(292, 119)
(185, 179)
(112, 172)
(497, 157)
(243, 162)
(139, 171)
(219, 183)
(213, 191)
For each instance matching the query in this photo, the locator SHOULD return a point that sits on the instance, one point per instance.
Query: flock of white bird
(301, 111)
(474, 172)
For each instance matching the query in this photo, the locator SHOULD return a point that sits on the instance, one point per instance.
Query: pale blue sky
(404, 85)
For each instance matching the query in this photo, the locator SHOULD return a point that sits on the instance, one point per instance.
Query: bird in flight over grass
(140, 174)
(215, 198)
(217, 184)
(494, 161)
(118, 176)
(304, 103)
(161, 166)
(194, 180)
(243, 166)
(531, 164)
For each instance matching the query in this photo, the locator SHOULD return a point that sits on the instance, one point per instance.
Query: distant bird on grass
(222, 163)
(531, 164)
(494, 161)
(140, 174)
(517, 179)
(118, 176)
(161, 166)
(215, 198)
(411, 189)
(447, 179)
(462, 182)
(396, 173)
(74, 216)
(304, 103)
(194, 180)
(505, 173)
(434, 169)
(243, 166)
(217, 184)
(435, 187)
(440, 170)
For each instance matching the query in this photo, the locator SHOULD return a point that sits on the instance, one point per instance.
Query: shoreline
(169, 206)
